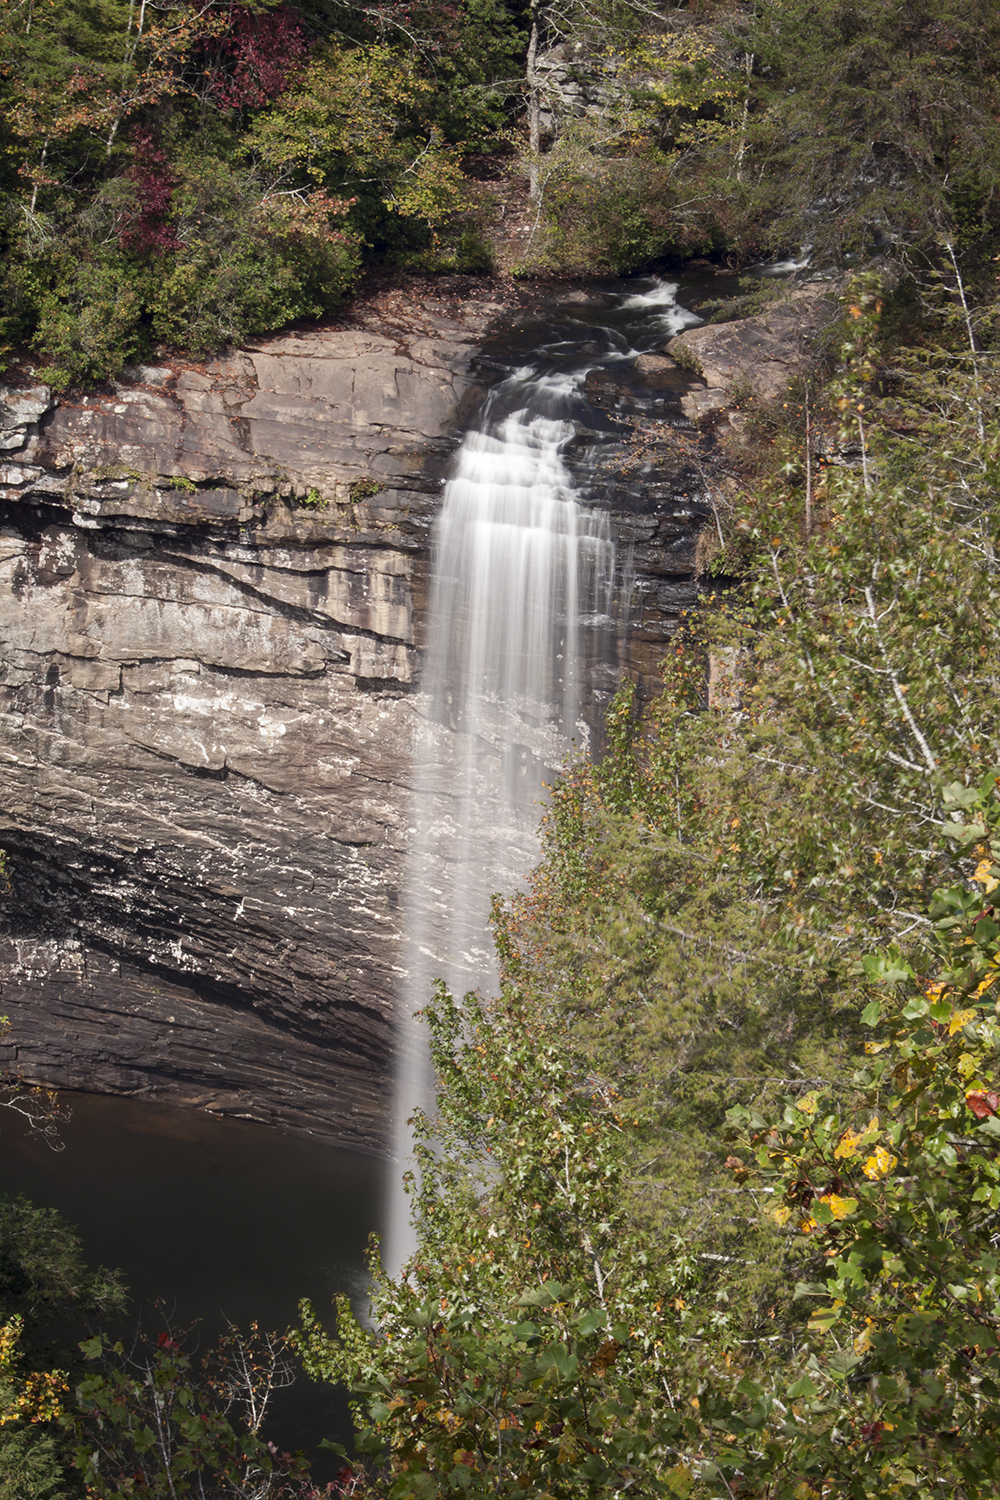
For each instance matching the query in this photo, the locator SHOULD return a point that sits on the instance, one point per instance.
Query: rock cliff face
(211, 612)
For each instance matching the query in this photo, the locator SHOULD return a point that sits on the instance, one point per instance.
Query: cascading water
(520, 612)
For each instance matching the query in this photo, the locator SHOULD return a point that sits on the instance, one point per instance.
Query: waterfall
(520, 609)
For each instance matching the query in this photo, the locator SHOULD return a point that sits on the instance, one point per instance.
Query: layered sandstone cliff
(210, 616)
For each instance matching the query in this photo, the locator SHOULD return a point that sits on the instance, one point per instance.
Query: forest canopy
(188, 173)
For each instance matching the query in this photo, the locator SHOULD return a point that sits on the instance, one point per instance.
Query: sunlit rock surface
(761, 354)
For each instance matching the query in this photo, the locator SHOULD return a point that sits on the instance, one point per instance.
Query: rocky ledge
(755, 356)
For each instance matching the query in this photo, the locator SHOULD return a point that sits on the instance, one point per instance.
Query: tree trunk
(534, 108)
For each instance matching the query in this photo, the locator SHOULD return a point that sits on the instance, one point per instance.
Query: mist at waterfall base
(527, 607)
(224, 1221)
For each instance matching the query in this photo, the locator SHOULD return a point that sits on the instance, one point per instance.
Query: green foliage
(540, 1342)
(47, 1294)
(127, 224)
(88, 322)
(31, 1465)
(692, 932)
(599, 212)
(898, 1196)
(616, 184)
(476, 68)
(521, 1350)
(152, 192)
(43, 1274)
(313, 500)
(364, 489)
(877, 129)
(151, 1423)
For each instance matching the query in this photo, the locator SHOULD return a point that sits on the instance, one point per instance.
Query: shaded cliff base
(99, 1025)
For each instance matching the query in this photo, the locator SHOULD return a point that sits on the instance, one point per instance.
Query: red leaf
(983, 1104)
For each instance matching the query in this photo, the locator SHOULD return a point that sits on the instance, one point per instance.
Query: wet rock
(699, 403)
(654, 364)
(762, 353)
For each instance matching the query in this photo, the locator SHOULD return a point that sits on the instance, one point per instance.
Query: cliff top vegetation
(186, 175)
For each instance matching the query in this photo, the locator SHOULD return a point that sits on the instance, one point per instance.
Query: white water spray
(522, 580)
(519, 610)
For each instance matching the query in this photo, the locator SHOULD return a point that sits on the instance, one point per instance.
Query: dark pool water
(222, 1220)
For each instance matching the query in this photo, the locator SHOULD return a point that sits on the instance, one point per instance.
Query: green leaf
(842, 1363)
(680, 1481)
(957, 793)
(965, 833)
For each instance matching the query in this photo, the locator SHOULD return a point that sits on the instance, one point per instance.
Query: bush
(89, 320)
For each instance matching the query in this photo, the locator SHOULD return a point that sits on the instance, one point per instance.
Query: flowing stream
(526, 605)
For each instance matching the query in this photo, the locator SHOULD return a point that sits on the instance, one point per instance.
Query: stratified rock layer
(210, 616)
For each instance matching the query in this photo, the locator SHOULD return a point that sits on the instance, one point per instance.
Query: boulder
(761, 354)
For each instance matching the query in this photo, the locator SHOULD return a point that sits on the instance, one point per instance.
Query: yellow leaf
(847, 1145)
(960, 1019)
(839, 1207)
(781, 1215)
(807, 1104)
(879, 1164)
(984, 875)
(680, 1480)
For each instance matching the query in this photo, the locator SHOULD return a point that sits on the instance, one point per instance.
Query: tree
(521, 1350)
(149, 1422)
(896, 1192)
(539, 1342)
(47, 1293)
(876, 123)
(620, 183)
(707, 889)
